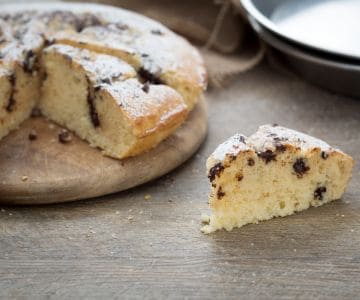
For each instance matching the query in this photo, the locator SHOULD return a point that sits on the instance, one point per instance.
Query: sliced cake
(101, 99)
(275, 172)
(147, 74)
(157, 54)
(20, 82)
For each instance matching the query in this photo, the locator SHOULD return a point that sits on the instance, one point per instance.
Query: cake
(119, 80)
(100, 98)
(273, 173)
(19, 83)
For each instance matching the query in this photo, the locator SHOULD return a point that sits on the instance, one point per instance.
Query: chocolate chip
(29, 61)
(278, 139)
(157, 32)
(48, 41)
(267, 155)
(275, 124)
(116, 75)
(18, 34)
(220, 193)
(146, 87)
(324, 155)
(89, 20)
(32, 135)
(250, 162)
(35, 112)
(97, 88)
(11, 102)
(280, 147)
(5, 17)
(147, 76)
(144, 55)
(91, 103)
(121, 26)
(242, 139)
(86, 57)
(12, 79)
(239, 177)
(215, 171)
(318, 193)
(300, 167)
(105, 80)
(64, 136)
(232, 157)
(79, 25)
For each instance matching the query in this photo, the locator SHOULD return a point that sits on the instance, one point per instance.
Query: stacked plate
(318, 39)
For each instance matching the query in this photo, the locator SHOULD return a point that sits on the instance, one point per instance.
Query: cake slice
(100, 98)
(157, 54)
(20, 82)
(275, 172)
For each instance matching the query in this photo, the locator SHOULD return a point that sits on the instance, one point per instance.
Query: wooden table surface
(124, 246)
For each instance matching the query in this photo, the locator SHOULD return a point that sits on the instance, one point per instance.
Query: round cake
(119, 80)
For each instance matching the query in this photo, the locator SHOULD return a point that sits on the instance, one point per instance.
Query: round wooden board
(45, 171)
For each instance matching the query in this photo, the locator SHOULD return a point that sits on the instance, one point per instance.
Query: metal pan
(335, 72)
(336, 76)
(329, 26)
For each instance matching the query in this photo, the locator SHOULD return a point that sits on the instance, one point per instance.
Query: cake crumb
(205, 219)
(32, 135)
(130, 218)
(117, 212)
(147, 197)
(207, 229)
(64, 136)
(24, 178)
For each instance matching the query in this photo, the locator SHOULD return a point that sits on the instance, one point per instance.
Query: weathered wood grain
(122, 246)
(57, 172)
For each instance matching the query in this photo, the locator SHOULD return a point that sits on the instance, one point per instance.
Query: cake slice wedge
(158, 55)
(20, 81)
(275, 172)
(101, 99)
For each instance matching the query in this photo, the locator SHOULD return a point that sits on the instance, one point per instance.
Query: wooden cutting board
(45, 171)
